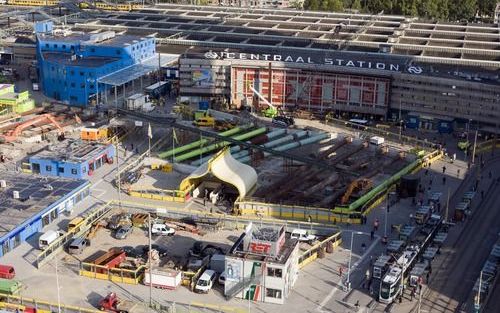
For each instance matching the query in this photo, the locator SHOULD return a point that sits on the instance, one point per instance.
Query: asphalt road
(454, 277)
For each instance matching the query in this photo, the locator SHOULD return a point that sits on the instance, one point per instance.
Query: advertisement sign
(335, 59)
(233, 269)
(260, 247)
(203, 78)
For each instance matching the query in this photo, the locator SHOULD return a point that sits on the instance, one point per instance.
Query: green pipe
(195, 144)
(372, 193)
(218, 145)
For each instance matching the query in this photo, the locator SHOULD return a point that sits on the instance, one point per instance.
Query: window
(82, 73)
(55, 45)
(84, 170)
(274, 272)
(92, 49)
(91, 86)
(48, 168)
(73, 171)
(72, 72)
(46, 45)
(61, 170)
(273, 293)
(82, 85)
(118, 52)
(64, 46)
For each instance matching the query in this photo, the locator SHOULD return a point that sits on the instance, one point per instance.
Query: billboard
(203, 78)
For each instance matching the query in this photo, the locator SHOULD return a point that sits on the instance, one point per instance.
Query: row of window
(60, 170)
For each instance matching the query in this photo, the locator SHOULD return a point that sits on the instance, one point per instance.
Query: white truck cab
(162, 229)
(303, 235)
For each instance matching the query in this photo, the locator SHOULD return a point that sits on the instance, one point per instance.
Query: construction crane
(12, 135)
(271, 111)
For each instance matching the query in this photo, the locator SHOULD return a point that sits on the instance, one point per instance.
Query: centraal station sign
(300, 59)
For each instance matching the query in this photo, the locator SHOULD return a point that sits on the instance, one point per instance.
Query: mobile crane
(12, 135)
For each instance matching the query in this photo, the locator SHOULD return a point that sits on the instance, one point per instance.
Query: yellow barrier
(35, 303)
(117, 275)
(312, 254)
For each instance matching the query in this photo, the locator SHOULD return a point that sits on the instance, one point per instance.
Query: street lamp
(350, 259)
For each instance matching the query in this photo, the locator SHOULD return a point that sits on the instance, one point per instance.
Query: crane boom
(13, 134)
(261, 97)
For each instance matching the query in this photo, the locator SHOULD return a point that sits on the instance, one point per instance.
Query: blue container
(445, 127)
(412, 122)
(203, 105)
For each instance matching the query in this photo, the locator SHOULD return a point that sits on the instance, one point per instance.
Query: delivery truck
(163, 278)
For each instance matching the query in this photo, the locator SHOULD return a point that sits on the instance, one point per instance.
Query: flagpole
(173, 145)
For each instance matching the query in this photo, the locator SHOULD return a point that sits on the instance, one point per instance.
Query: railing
(312, 254)
(242, 285)
(21, 303)
(89, 218)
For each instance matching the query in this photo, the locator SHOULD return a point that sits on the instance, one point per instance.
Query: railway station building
(376, 67)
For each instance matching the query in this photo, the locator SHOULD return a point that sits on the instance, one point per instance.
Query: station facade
(373, 87)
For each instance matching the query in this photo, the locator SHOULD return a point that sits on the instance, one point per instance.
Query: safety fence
(194, 307)
(349, 214)
(159, 194)
(487, 146)
(89, 218)
(23, 304)
(319, 249)
(383, 132)
(249, 207)
(117, 275)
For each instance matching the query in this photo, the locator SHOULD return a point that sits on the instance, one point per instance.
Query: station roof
(35, 195)
(72, 151)
(228, 27)
(135, 71)
(65, 59)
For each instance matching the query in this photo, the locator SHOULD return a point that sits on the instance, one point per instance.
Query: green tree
(376, 6)
(356, 5)
(464, 9)
(335, 5)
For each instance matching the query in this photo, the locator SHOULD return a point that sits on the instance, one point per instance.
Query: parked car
(123, 231)
(283, 121)
(205, 282)
(222, 278)
(162, 229)
(303, 235)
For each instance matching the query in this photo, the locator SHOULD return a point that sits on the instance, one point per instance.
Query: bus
(158, 89)
(357, 123)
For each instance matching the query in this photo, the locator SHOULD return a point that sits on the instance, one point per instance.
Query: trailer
(110, 259)
(163, 278)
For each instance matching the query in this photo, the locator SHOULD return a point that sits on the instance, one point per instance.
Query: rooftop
(35, 194)
(65, 59)
(85, 38)
(74, 151)
(229, 27)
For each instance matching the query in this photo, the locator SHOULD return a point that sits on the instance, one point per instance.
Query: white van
(162, 229)
(205, 282)
(302, 235)
(48, 238)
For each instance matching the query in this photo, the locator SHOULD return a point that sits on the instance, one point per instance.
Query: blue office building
(74, 159)
(73, 66)
(28, 203)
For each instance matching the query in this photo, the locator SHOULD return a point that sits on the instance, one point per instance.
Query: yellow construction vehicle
(355, 186)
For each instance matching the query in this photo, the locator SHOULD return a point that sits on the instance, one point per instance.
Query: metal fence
(90, 217)
(324, 246)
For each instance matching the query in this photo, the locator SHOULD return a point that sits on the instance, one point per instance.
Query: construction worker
(376, 224)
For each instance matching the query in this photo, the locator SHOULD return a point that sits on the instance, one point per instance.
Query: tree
(464, 9)
(312, 5)
(356, 5)
(335, 5)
